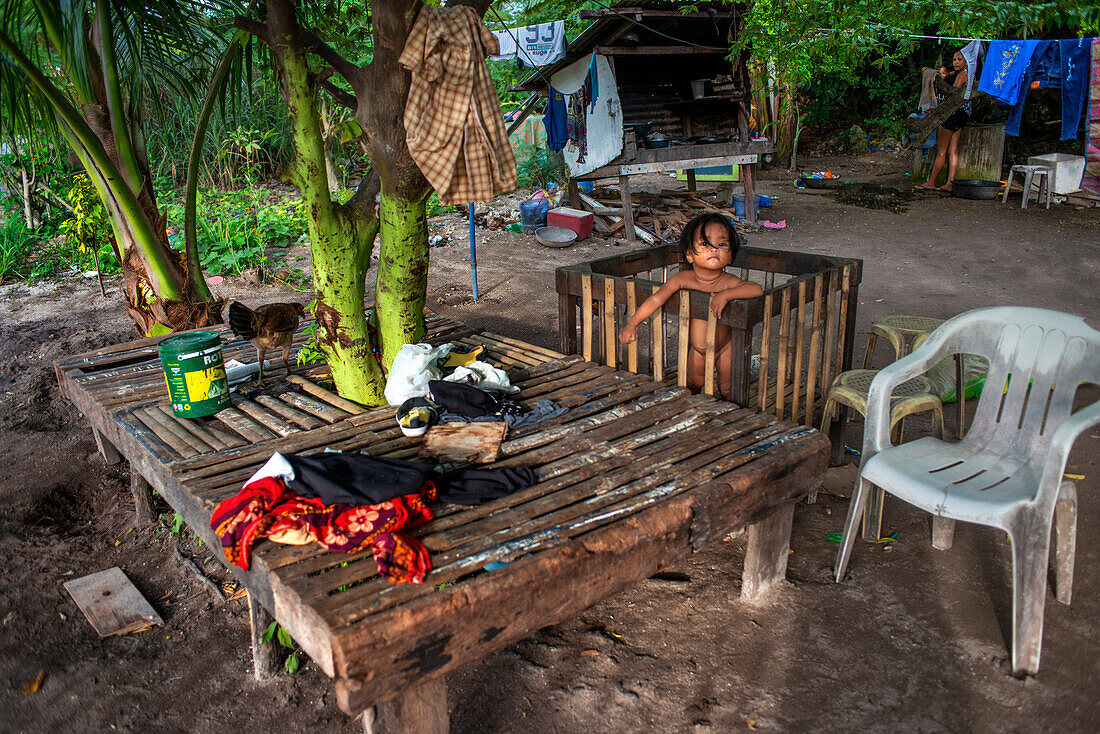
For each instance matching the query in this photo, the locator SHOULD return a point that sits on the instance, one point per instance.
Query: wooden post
(586, 317)
(143, 498)
(691, 179)
(266, 657)
(747, 173)
(631, 307)
(769, 543)
(421, 709)
(740, 360)
(567, 323)
(628, 208)
(574, 194)
(106, 449)
(684, 342)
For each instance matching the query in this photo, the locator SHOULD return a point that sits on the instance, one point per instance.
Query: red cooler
(574, 219)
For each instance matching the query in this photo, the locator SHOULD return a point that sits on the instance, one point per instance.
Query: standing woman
(947, 136)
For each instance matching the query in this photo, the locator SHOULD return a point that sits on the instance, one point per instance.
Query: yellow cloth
(462, 359)
(454, 127)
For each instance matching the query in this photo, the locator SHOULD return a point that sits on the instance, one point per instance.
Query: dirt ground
(915, 640)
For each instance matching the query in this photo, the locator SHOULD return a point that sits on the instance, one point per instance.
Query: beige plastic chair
(1007, 470)
(901, 332)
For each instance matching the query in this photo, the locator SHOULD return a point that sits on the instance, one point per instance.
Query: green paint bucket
(195, 373)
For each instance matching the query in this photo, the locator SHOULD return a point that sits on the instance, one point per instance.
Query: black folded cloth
(361, 479)
(471, 401)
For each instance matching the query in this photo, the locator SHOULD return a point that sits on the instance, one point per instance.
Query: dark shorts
(958, 119)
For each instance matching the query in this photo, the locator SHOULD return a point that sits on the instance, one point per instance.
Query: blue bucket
(762, 202)
(532, 214)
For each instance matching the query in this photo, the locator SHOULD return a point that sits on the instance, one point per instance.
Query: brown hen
(270, 326)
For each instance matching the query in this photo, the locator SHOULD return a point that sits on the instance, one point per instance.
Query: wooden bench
(632, 480)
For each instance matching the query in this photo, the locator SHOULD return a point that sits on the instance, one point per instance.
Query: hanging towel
(928, 89)
(592, 81)
(1044, 52)
(1075, 82)
(971, 52)
(1004, 69)
(556, 121)
(454, 126)
(534, 45)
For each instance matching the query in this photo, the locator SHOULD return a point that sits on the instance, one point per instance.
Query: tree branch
(944, 109)
(343, 67)
(341, 96)
(255, 27)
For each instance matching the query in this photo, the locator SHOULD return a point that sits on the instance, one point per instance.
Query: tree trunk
(402, 284)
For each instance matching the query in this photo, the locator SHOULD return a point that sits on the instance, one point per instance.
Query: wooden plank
(815, 347)
(326, 395)
(765, 351)
(586, 317)
(111, 603)
(708, 360)
(167, 438)
(827, 373)
(292, 414)
(195, 428)
(781, 366)
(325, 412)
(181, 437)
(657, 350)
(799, 340)
(268, 420)
(684, 339)
(840, 345)
(249, 429)
(628, 208)
(768, 546)
(609, 335)
(463, 443)
(631, 307)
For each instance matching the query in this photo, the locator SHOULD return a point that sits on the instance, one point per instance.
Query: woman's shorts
(958, 119)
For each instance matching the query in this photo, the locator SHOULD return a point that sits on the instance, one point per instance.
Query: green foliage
(277, 632)
(16, 243)
(538, 168)
(235, 228)
(88, 227)
(310, 353)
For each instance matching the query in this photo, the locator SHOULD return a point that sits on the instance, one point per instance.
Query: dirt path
(914, 641)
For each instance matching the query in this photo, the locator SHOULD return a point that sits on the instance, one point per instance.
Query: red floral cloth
(266, 507)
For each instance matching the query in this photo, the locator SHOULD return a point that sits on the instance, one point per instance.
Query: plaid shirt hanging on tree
(454, 126)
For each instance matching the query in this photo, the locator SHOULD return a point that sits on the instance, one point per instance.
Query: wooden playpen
(787, 346)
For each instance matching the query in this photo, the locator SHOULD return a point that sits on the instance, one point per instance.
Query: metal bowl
(975, 189)
(555, 236)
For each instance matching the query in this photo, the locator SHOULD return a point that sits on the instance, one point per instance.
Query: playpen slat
(657, 327)
(586, 317)
(609, 321)
(765, 351)
(830, 331)
(815, 349)
(684, 341)
(631, 307)
(799, 349)
(847, 284)
(781, 371)
(708, 361)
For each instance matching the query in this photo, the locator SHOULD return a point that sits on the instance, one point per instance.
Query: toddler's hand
(718, 303)
(627, 335)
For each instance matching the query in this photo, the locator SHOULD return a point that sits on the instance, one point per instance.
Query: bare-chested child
(709, 243)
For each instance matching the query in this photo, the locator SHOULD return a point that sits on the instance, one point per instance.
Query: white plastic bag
(483, 375)
(413, 366)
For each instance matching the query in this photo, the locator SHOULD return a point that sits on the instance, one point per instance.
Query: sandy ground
(915, 640)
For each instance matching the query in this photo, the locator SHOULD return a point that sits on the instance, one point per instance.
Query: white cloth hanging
(970, 52)
(535, 45)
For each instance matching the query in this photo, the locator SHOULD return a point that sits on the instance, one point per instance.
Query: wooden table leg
(421, 709)
(691, 179)
(769, 543)
(106, 449)
(266, 656)
(628, 208)
(143, 498)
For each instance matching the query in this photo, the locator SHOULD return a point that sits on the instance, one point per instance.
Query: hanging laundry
(556, 121)
(971, 52)
(592, 81)
(534, 45)
(927, 89)
(1075, 66)
(1002, 74)
(454, 126)
(1091, 180)
(577, 126)
(1045, 53)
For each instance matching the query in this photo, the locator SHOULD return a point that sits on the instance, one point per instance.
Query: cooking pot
(975, 189)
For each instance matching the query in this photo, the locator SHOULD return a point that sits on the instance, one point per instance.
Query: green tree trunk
(402, 283)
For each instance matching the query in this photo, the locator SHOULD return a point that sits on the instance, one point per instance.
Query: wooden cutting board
(463, 443)
(111, 603)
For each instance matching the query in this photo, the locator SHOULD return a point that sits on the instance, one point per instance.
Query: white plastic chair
(1007, 471)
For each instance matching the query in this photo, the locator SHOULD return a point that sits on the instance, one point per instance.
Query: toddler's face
(711, 247)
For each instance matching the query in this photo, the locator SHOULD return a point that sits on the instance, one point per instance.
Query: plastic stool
(1045, 174)
(902, 333)
(912, 396)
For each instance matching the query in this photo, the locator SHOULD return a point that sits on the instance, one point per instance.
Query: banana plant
(93, 70)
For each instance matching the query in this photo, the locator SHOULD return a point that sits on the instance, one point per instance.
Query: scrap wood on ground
(664, 215)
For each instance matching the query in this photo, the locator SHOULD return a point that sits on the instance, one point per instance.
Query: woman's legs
(943, 140)
(953, 159)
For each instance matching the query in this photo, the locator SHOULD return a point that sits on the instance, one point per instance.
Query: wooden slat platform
(636, 476)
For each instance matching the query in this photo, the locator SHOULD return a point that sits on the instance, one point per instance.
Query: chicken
(270, 326)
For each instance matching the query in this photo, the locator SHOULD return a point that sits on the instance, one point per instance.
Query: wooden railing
(787, 345)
